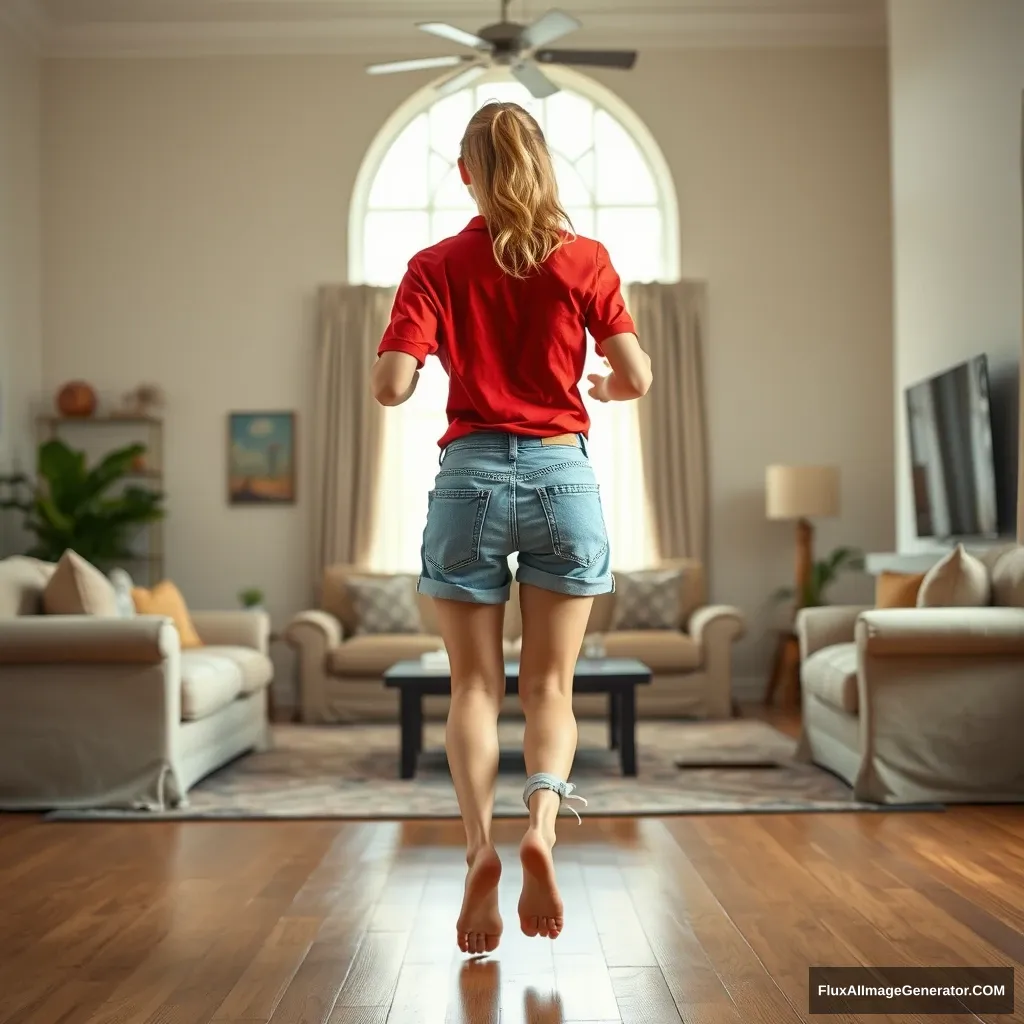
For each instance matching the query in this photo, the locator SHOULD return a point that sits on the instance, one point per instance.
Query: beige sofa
(111, 713)
(340, 673)
(920, 705)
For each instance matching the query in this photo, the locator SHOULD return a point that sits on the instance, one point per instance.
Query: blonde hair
(514, 184)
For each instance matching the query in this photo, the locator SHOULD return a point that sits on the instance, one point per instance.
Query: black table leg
(627, 730)
(412, 728)
(614, 725)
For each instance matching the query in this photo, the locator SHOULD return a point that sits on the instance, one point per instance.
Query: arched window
(615, 187)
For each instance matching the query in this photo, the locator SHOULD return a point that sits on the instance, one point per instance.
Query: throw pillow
(384, 604)
(897, 589)
(959, 580)
(78, 588)
(165, 599)
(123, 587)
(648, 599)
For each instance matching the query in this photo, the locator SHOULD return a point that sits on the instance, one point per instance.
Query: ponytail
(514, 184)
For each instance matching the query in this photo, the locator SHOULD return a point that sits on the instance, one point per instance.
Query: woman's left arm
(394, 377)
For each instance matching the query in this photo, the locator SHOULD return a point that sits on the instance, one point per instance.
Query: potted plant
(824, 574)
(72, 505)
(251, 598)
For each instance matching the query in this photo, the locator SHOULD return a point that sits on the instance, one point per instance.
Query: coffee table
(618, 677)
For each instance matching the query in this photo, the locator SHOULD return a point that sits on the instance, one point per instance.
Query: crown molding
(858, 25)
(27, 20)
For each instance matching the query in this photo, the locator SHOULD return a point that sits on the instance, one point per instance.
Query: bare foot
(479, 925)
(540, 906)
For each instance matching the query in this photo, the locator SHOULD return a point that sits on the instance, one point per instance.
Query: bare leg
(553, 629)
(472, 635)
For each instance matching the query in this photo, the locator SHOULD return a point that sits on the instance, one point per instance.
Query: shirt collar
(478, 223)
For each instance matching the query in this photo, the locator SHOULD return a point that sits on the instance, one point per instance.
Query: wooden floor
(702, 919)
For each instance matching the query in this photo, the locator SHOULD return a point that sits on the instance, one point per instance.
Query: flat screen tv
(949, 423)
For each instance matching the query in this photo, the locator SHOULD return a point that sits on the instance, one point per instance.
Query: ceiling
(167, 27)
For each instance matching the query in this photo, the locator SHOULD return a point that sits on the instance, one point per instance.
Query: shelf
(106, 420)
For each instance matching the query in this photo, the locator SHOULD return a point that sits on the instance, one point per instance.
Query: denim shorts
(498, 493)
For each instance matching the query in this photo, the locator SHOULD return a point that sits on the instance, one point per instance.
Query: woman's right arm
(631, 371)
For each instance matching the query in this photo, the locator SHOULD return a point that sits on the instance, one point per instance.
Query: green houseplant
(72, 505)
(824, 574)
(251, 597)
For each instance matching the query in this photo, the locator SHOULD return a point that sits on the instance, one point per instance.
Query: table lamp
(802, 493)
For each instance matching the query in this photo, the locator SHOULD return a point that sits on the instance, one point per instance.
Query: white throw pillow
(123, 584)
(385, 604)
(648, 599)
(958, 580)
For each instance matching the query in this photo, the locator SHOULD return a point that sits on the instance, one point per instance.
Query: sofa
(111, 712)
(340, 672)
(920, 705)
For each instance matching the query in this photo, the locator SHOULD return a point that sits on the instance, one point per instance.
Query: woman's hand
(599, 387)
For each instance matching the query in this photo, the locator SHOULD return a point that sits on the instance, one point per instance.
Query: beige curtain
(347, 423)
(1020, 392)
(670, 321)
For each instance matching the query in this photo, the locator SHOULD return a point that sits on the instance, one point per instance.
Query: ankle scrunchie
(565, 790)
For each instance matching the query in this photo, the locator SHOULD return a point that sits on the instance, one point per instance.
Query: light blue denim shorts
(498, 493)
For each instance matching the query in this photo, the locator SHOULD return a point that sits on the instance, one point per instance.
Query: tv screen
(952, 467)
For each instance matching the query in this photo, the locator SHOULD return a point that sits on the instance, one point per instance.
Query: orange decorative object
(76, 399)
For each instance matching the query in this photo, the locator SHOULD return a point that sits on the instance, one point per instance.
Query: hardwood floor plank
(642, 996)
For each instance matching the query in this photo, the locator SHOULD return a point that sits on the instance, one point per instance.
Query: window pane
(439, 167)
(633, 237)
(509, 92)
(445, 223)
(451, 194)
(582, 218)
(390, 240)
(401, 179)
(585, 168)
(572, 189)
(570, 124)
(622, 173)
(448, 120)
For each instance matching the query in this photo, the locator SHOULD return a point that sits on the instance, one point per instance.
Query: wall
(957, 72)
(20, 330)
(193, 206)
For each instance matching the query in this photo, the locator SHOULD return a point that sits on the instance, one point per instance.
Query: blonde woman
(506, 305)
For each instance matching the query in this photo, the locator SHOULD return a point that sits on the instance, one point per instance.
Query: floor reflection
(542, 1008)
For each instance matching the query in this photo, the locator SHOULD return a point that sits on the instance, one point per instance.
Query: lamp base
(804, 560)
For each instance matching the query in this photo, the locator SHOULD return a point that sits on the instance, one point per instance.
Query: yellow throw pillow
(897, 589)
(165, 599)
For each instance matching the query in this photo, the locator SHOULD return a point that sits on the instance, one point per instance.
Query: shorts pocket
(455, 522)
(576, 521)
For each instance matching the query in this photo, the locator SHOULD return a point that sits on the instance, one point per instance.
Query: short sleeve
(414, 323)
(607, 315)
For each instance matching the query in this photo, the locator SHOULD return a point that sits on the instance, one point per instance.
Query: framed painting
(261, 458)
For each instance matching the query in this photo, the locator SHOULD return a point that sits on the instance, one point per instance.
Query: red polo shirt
(513, 348)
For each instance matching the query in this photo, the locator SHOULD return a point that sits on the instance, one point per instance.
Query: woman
(506, 306)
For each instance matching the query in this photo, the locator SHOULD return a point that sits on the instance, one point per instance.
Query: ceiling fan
(520, 48)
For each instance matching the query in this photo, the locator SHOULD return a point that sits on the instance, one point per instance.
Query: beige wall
(20, 331)
(957, 79)
(193, 206)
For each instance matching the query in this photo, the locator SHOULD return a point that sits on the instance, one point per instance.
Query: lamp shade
(802, 492)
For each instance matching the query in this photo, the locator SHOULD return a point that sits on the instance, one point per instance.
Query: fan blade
(460, 79)
(624, 59)
(547, 28)
(534, 79)
(454, 35)
(418, 64)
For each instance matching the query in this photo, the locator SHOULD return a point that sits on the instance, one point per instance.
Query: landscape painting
(261, 458)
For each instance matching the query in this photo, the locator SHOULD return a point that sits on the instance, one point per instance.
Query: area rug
(352, 772)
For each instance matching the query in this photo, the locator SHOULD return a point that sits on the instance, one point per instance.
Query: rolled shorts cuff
(571, 586)
(455, 592)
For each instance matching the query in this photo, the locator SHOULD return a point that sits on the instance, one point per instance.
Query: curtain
(347, 423)
(1020, 413)
(670, 321)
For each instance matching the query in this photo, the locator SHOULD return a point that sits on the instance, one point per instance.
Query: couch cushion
(958, 580)
(166, 599)
(661, 650)
(691, 595)
(831, 675)
(384, 604)
(648, 599)
(363, 656)
(22, 582)
(78, 588)
(208, 683)
(256, 668)
(1008, 578)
